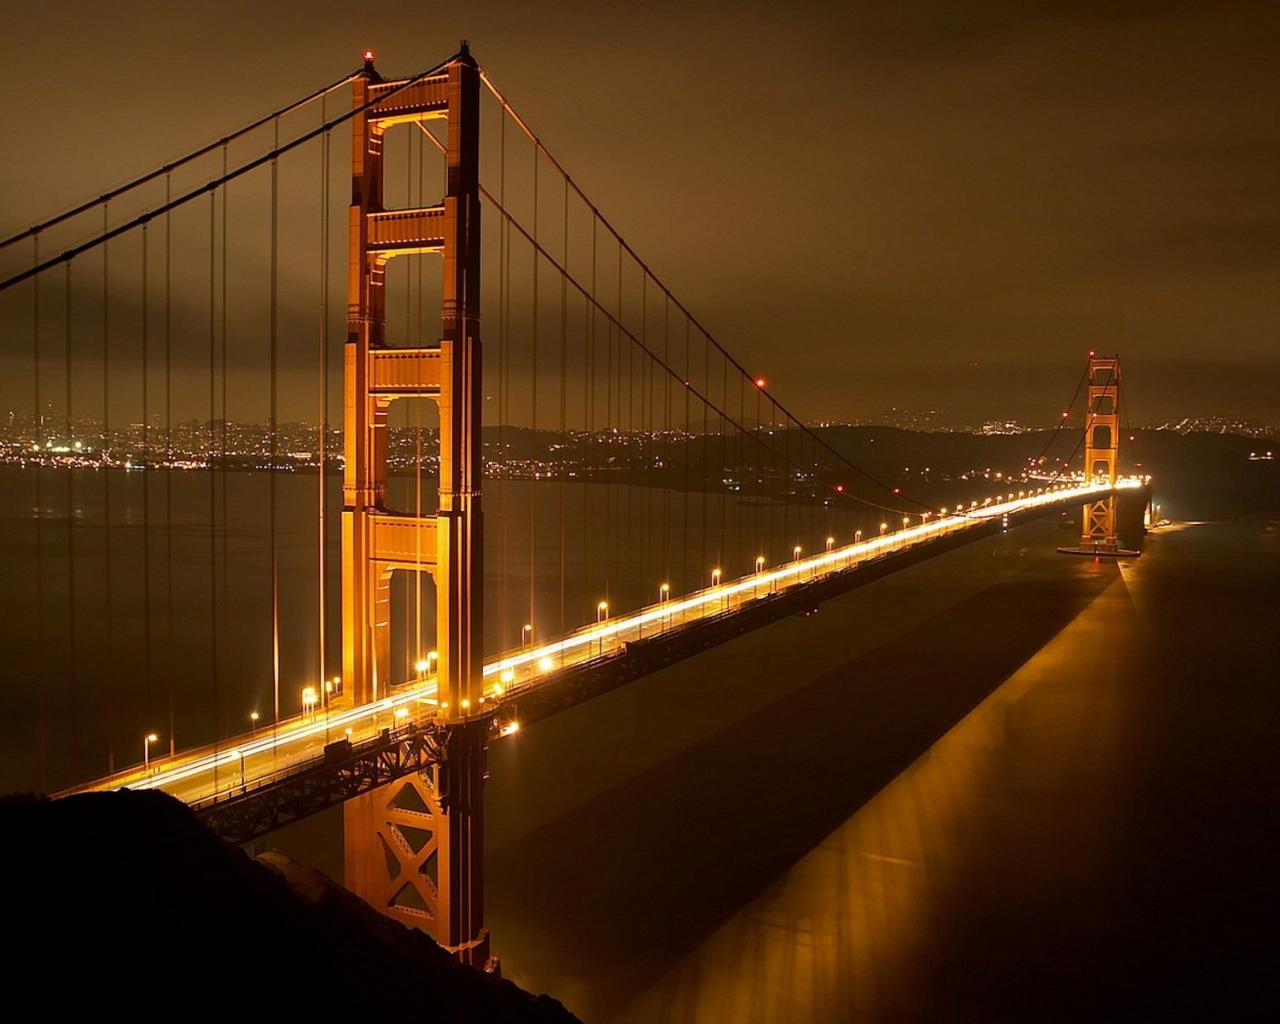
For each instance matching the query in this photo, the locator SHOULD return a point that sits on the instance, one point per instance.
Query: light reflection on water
(852, 931)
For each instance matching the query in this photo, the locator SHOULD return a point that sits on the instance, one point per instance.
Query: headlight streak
(577, 647)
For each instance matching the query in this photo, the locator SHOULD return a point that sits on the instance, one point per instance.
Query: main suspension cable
(210, 186)
(173, 165)
(595, 210)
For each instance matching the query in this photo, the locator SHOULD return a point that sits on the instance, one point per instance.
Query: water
(1004, 784)
(122, 603)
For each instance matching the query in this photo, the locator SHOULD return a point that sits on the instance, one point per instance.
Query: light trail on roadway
(250, 761)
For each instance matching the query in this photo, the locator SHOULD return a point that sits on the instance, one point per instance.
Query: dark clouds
(862, 198)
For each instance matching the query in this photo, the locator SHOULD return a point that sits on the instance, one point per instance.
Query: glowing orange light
(368, 55)
(760, 382)
(839, 488)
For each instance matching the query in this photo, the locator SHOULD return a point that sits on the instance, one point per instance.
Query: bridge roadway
(255, 761)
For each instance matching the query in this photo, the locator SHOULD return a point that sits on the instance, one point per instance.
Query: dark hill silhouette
(122, 903)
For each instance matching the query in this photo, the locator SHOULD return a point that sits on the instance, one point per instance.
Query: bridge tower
(414, 848)
(1101, 445)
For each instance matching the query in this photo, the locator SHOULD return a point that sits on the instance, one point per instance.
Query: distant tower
(414, 848)
(1101, 445)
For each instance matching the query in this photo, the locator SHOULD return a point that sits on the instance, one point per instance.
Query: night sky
(913, 205)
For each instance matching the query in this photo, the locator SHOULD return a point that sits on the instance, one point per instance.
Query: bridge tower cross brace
(414, 848)
(1101, 445)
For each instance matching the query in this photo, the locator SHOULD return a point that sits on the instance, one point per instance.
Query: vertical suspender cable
(72, 674)
(223, 588)
(146, 480)
(146, 484)
(666, 442)
(585, 449)
(645, 447)
(412, 635)
(706, 458)
(214, 672)
(36, 426)
(724, 460)
(533, 415)
(417, 440)
(322, 501)
(504, 462)
(686, 445)
(168, 462)
(562, 482)
(106, 465)
(272, 427)
(589, 419)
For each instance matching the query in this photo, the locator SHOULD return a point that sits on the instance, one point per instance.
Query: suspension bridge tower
(1101, 444)
(1098, 535)
(414, 848)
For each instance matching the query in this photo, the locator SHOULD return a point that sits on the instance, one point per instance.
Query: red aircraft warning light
(760, 383)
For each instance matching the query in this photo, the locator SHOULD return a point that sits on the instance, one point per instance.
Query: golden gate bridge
(746, 514)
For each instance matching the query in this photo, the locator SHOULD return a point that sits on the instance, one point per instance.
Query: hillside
(122, 902)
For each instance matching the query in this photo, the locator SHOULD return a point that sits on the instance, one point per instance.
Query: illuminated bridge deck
(530, 683)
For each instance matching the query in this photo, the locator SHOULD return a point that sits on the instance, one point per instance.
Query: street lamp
(715, 577)
(308, 699)
(857, 536)
(147, 740)
(526, 634)
(253, 723)
(883, 528)
(664, 593)
(602, 611)
(831, 541)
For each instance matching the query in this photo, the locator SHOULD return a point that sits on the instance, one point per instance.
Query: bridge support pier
(415, 848)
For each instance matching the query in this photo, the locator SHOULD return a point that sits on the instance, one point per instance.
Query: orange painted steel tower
(1101, 444)
(414, 848)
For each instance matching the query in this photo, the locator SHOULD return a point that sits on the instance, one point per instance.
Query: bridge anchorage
(1098, 535)
(415, 848)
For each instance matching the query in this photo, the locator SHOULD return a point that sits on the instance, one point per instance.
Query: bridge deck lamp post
(253, 723)
(602, 613)
(664, 592)
(759, 570)
(526, 635)
(147, 740)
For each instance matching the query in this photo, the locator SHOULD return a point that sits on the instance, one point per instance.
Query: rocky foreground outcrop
(123, 902)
